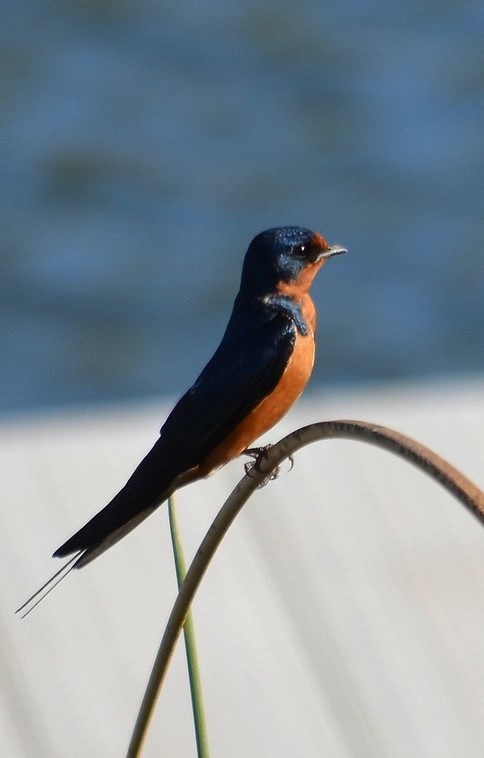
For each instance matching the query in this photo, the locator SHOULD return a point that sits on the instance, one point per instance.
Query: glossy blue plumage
(259, 369)
(270, 258)
(246, 368)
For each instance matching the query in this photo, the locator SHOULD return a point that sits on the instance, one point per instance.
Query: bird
(261, 367)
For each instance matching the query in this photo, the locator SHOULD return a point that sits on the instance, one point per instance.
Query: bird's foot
(258, 453)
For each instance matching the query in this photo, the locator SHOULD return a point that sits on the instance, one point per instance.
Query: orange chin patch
(299, 287)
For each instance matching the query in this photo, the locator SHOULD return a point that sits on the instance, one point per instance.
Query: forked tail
(49, 585)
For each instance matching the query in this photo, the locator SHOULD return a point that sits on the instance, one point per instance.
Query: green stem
(196, 690)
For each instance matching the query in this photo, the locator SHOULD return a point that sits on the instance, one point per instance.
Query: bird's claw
(258, 453)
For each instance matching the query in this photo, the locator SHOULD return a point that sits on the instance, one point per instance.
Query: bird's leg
(257, 453)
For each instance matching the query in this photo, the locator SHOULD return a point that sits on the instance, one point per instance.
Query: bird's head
(284, 258)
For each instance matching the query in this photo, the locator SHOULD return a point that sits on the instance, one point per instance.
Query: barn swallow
(260, 368)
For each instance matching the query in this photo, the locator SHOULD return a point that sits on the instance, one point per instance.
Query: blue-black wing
(246, 367)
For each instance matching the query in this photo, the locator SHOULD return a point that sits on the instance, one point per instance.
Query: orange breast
(269, 410)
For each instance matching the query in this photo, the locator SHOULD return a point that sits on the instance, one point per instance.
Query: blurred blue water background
(143, 144)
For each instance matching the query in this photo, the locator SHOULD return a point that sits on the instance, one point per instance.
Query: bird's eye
(299, 251)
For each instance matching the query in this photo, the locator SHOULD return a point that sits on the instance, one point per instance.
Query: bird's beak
(333, 250)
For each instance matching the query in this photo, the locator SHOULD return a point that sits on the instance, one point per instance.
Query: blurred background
(144, 144)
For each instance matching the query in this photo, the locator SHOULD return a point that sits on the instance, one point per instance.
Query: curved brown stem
(405, 447)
